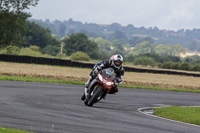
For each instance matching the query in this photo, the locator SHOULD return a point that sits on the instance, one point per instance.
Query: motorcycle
(103, 84)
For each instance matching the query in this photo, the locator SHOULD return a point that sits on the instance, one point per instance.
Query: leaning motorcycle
(103, 84)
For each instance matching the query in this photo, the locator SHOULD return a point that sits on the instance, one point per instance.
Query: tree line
(125, 34)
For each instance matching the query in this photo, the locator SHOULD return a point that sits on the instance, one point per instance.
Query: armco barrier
(43, 61)
(60, 62)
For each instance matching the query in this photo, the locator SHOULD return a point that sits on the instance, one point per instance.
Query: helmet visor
(118, 63)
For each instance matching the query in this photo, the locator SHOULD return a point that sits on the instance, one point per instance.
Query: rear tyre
(95, 97)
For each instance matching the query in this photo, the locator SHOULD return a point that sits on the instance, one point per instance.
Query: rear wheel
(95, 96)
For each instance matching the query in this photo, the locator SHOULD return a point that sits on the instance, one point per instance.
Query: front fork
(91, 87)
(89, 91)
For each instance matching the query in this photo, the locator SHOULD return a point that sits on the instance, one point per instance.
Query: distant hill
(126, 34)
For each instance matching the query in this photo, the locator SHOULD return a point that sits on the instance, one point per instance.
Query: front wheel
(95, 96)
(83, 97)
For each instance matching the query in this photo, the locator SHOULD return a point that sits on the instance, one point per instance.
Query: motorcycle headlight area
(104, 81)
(109, 83)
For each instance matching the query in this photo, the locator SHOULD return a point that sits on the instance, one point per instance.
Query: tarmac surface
(46, 108)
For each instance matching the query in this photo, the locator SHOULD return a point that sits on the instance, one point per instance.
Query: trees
(32, 51)
(118, 45)
(162, 49)
(103, 44)
(80, 56)
(80, 42)
(51, 50)
(36, 35)
(180, 66)
(47, 24)
(143, 48)
(173, 50)
(135, 40)
(62, 29)
(118, 35)
(12, 20)
(104, 47)
(145, 61)
(176, 49)
(10, 50)
(187, 38)
(195, 59)
(195, 45)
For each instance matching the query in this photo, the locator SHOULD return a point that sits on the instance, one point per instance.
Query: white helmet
(117, 61)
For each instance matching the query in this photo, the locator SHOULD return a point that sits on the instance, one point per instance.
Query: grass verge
(42, 80)
(161, 88)
(184, 114)
(8, 130)
(49, 80)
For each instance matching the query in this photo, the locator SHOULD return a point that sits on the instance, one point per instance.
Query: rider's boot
(87, 84)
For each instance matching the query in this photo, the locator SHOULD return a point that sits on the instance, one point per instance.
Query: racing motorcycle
(103, 84)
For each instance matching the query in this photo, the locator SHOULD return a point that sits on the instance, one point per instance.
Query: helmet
(111, 58)
(117, 61)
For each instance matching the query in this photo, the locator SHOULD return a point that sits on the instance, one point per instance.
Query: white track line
(150, 108)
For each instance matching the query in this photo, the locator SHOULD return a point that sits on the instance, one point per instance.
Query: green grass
(48, 80)
(184, 114)
(160, 88)
(42, 80)
(8, 130)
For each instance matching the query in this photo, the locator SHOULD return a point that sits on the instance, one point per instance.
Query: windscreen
(109, 73)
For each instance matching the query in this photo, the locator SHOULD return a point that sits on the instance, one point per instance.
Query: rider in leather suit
(115, 62)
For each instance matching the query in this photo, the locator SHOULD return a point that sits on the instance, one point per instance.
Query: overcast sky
(165, 14)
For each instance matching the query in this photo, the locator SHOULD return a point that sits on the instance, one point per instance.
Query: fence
(60, 62)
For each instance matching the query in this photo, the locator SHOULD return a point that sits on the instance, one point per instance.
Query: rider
(115, 62)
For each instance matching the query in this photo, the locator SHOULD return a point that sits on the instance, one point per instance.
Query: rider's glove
(116, 83)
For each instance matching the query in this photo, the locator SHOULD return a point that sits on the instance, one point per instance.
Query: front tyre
(95, 96)
(83, 97)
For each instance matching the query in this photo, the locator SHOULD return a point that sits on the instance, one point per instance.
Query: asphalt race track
(41, 107)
